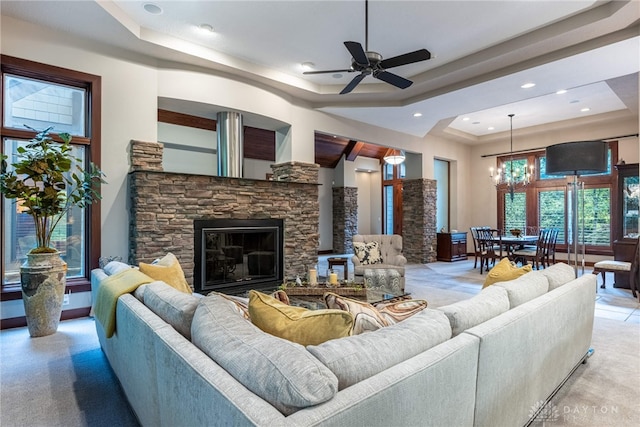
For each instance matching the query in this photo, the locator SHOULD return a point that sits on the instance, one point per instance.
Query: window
(515, 211)
(40, 96)
(545, 203)
(551, 211)
(392, 197)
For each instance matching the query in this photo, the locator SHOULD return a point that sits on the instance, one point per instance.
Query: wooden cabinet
(452, 246)
(626, 219)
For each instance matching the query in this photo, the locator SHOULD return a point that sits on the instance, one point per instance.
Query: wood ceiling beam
(353, 149)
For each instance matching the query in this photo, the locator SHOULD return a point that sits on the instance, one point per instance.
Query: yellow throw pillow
(297, 324)
(169, 271)
(504, 271)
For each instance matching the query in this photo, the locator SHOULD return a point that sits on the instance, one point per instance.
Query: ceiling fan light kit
(367, 62)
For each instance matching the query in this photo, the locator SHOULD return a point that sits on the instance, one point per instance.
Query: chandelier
(509, 175)
(394, 157)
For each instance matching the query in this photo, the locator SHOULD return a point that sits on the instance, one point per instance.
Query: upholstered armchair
(388, 254)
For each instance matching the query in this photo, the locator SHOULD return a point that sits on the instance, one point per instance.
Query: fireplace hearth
(233, 255)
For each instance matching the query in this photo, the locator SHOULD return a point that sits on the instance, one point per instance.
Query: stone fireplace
(165, 207)
(236, 254)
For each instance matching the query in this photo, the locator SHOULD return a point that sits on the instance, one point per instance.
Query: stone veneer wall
(164, 206)
(419, 220)
(345, 218)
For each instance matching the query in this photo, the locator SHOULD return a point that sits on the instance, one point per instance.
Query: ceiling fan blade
(350, 70)
(393, 79)
(353, 83)
(357, 52)
(407, 58)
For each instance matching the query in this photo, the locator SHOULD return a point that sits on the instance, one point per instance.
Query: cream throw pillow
(169, 271)
(368, 253)
(367, 317)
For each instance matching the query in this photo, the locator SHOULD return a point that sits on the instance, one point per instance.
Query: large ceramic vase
(43, 279)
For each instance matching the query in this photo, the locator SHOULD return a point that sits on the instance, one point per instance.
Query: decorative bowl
(515, 232)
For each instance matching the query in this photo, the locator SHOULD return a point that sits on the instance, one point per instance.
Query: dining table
(512, 243)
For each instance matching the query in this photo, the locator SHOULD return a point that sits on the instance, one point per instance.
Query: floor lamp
(576, 159)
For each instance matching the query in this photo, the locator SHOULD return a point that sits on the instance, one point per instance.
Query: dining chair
(537, 256)
(611, 266)
(550, 255)
(476, 246)
(490, 246)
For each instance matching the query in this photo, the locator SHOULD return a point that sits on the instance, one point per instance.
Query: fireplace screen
(237, 254)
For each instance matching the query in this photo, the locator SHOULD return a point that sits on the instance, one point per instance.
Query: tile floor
(611, 303)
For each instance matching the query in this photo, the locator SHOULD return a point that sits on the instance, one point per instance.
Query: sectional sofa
(491, 360)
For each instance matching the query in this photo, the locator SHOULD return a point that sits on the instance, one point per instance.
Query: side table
(340, 261)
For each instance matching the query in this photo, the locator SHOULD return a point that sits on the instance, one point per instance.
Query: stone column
(419, 220)
(345, 218)
(146, 156)
(296, 172)
(301, 243)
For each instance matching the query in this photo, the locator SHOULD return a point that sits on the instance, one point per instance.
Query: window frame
(536, 185)
(395, 183)
(92, 142)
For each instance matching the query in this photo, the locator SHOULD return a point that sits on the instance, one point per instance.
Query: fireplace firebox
(233, 255)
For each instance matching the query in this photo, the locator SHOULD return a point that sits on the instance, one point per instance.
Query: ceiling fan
(371, 63)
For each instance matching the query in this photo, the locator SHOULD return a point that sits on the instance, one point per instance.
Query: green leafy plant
(40, 181)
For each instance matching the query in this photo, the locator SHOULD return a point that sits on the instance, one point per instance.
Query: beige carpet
(603, 392)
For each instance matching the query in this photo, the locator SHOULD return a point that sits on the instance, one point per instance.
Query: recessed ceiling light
(490, 128)
(417, 114)
(307, 66)
(574, 101)
(561, 91)
(153, 8)
(584, 110)
(465, 119)
(337, 76)
(206, 28)
(475, 123)
(527, 85)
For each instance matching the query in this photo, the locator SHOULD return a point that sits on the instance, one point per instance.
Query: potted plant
(46, 184)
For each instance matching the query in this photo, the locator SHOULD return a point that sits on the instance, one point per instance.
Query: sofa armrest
(398, 260)
(355, 260)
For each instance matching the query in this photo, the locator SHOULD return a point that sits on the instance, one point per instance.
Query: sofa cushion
(139, 293)
(358, 357)
(465, 314)
(525, 288)
(368, 253)
(297, 324)
(279, 371)
(503, 271)
(559, 274)
(169, 271)
(115, 267)
(174, 307)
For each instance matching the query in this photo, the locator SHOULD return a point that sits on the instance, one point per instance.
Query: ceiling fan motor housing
(374, 63)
